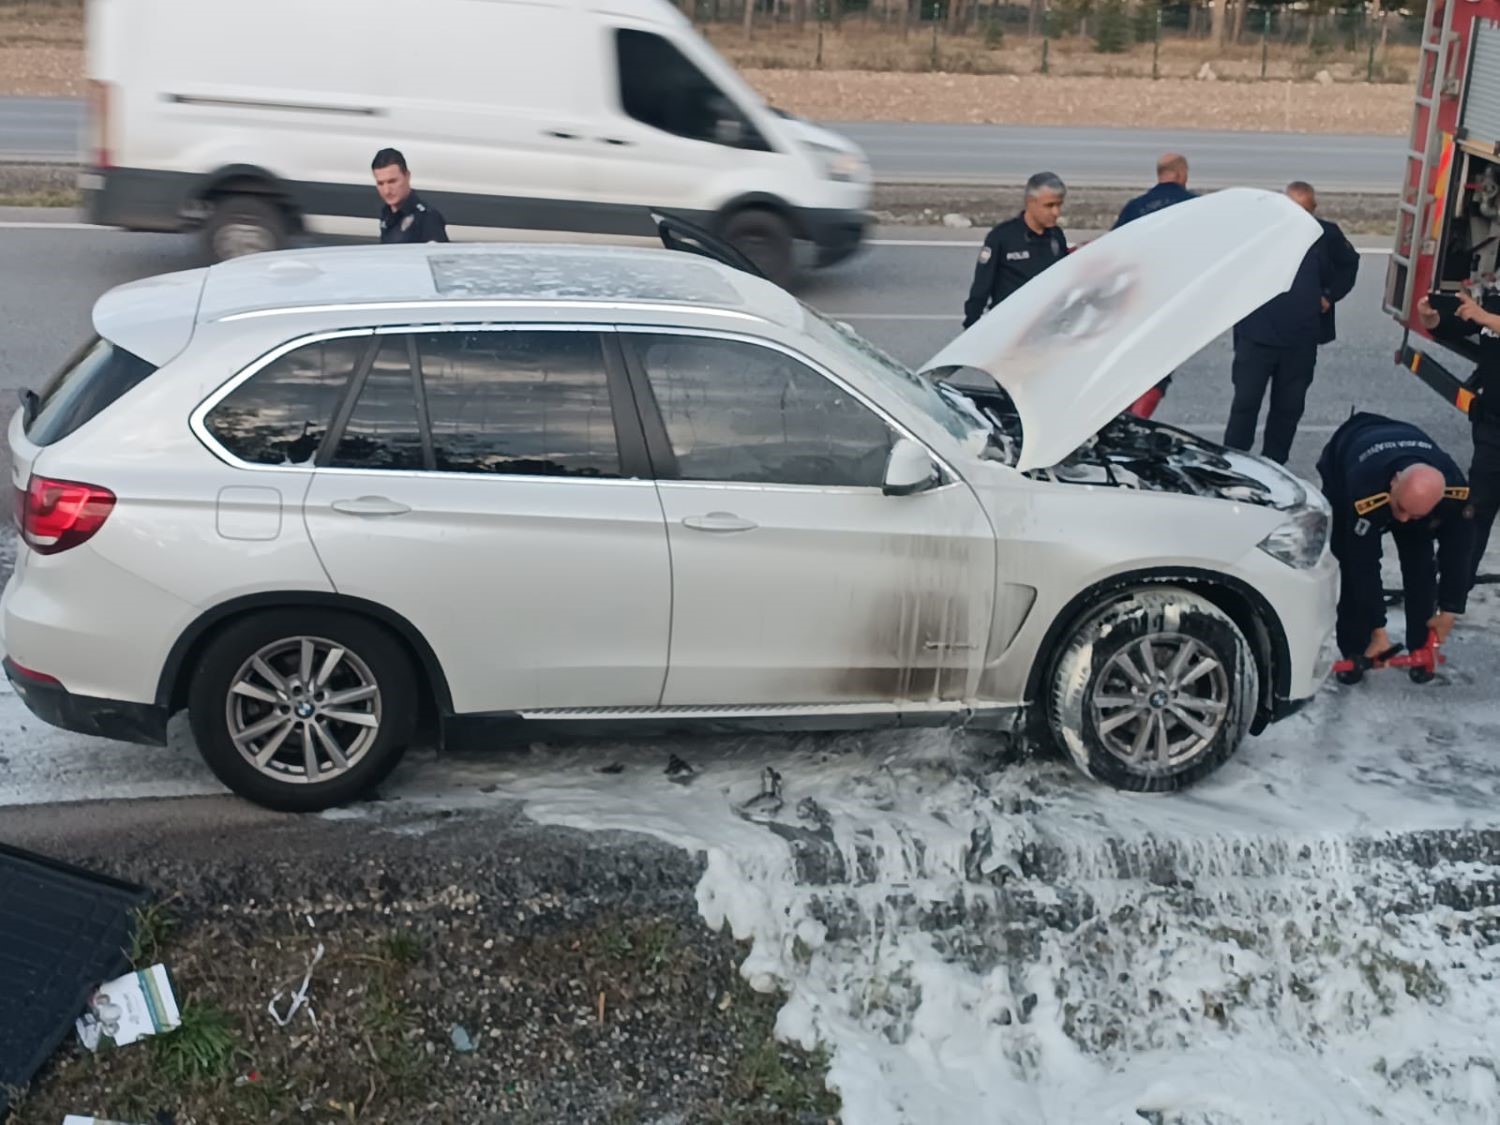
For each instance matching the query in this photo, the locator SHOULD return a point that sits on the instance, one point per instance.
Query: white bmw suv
(331, 501)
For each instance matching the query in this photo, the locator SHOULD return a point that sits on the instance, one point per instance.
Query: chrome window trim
(197, 421)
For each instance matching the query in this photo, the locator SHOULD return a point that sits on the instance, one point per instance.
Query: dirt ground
(868, 76)
(481, 969)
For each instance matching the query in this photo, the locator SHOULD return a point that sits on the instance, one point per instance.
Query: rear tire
(766, 239)
(285, 695)
(1155, 690)
(244, 224)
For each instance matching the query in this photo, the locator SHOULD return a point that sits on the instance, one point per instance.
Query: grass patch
(202, 1049)
(151, 928)
(47, 197)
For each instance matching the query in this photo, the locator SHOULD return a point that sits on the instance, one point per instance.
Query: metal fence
(1319, 27)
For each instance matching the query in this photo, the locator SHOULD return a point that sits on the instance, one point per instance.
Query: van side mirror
(909, 469)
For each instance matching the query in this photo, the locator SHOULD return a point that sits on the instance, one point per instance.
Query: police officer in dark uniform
(404, 218)
(1276, 346)
(1020, 248)
(1484, 410)
(1381, 475)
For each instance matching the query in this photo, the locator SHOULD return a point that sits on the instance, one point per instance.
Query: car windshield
(953, 413)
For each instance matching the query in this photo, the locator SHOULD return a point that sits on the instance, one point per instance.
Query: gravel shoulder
(576, 964)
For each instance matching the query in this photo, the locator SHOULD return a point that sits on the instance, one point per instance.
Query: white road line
(962, 244)
(51, 226)
(895, 316)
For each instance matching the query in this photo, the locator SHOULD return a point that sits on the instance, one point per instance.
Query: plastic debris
(299, 998)
(462, 1043)
(679, 771)
(130, 1008)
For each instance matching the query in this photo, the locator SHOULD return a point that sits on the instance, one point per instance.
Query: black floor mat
(63, 931)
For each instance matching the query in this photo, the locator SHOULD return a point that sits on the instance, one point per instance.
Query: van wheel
(303, 710)
(244, 224)
(766, 239)
(1154, 691)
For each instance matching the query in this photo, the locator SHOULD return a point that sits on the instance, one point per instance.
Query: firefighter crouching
(1382, 475)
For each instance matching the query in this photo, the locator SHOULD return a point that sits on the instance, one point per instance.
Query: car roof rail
(679, 234)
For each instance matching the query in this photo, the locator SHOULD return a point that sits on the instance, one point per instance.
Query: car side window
(740, 412)
(280, 415)
(519, 402)
(661, 87)
(383, 430)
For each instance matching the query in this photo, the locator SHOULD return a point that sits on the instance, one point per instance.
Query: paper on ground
(130, 1008)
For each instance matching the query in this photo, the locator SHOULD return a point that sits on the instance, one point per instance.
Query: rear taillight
(55, 515)
(99, 107)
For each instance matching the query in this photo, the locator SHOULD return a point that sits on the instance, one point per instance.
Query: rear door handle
(719, 521)
(370, 506)
(618, 141)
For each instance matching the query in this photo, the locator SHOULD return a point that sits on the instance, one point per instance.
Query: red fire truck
(1448, 224)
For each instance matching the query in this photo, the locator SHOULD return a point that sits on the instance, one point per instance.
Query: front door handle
(561, 135)
(719, 521)
(370, 506)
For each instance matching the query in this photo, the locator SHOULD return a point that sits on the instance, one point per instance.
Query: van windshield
(96, 375)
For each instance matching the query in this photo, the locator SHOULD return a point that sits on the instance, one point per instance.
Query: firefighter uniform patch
(985, 255)
(1361, 526)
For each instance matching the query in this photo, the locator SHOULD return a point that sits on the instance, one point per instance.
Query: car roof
(465, 275)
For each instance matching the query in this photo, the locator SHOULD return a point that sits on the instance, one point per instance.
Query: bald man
(1171, 188)
(1381, 475)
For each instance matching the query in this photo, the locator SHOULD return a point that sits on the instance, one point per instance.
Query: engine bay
(1136, 453)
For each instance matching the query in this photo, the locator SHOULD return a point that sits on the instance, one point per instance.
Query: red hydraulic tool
(1427, 658)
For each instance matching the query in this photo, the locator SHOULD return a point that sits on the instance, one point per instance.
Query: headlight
(846, 167)
(1299, 542)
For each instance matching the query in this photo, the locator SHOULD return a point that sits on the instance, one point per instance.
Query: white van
(257, 122)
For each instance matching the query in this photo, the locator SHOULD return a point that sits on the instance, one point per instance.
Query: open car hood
(1076, 345)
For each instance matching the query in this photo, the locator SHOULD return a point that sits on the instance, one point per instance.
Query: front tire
(1155, 690)
(303, 710)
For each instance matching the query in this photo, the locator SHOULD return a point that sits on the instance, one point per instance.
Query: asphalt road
(48, 129)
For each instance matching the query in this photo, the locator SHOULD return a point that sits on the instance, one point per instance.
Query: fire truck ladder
(1416, 198)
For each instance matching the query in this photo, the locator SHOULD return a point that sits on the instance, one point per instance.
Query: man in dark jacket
(1384, 475)
(1473, 317)
(1018, 249)
(404, 216)
(1171, 188)
(1277, 344)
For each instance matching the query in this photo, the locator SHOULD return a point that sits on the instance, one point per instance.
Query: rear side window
(280, 415)
(519, 402)
(383, 431)
(93, 379)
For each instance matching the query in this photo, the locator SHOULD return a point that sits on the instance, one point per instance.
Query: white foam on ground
(1235, 954)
